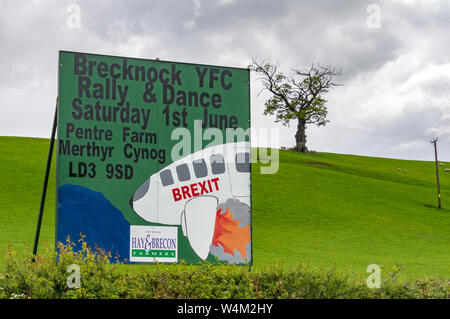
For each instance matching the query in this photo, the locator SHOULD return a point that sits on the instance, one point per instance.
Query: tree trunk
(300, 137)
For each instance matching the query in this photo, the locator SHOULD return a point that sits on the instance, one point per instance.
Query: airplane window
(142, 190)
(243, 162)
(166, 177)
(183, 172)
(217, 164)
(200, 168)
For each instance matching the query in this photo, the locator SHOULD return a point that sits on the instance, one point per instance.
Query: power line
(22, 86)
(384, 135)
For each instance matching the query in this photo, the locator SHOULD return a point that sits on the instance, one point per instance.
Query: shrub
(46, 277)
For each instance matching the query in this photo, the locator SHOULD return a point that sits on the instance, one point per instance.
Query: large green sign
(154, 159)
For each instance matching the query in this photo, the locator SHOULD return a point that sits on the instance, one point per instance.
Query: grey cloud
(295, 33)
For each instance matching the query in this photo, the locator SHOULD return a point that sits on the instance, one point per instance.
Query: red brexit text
(195, 189)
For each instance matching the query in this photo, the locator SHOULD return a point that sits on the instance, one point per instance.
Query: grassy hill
(326, 209)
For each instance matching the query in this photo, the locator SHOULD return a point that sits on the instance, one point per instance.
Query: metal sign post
(44, 187)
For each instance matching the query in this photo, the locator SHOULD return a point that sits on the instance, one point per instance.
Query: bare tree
(299, 97)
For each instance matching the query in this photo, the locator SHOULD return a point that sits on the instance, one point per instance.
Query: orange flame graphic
(228, 233)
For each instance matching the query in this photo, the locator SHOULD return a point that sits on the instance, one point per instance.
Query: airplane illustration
(188, 191)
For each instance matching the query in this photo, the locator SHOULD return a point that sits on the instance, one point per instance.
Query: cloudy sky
(394, 55)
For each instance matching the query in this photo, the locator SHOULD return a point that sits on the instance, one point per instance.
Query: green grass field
(328, 210)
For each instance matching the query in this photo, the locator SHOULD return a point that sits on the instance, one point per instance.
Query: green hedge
(46, 277)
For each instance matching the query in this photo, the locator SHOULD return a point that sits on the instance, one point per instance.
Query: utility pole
(434, 142)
